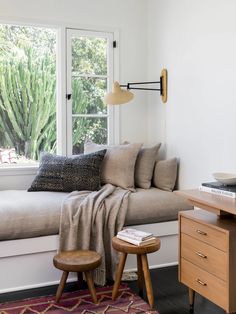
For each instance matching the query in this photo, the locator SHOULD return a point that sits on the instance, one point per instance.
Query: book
(220, 186)
(137, 242)
(135, 234)
(217, 191)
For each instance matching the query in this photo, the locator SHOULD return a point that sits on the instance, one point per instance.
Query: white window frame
(73, 33)
(61, 108)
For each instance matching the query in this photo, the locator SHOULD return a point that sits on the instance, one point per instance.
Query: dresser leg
(191, 295)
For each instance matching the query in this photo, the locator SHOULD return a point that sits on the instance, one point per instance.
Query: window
(27, 93)
(28, 88)
(89, 75)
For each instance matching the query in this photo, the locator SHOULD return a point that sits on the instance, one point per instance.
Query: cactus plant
(28, 102)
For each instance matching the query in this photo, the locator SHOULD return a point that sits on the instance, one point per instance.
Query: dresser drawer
(204, 283)
(205, 256)
(204, 233)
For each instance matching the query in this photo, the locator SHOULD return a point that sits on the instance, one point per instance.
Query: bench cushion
(31, 214)
(154, 205)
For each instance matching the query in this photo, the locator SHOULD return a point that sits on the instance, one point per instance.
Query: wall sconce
(120, 96)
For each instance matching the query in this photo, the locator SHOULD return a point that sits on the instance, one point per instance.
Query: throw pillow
(67, 174)
(118, 164)
(165, 174)
(145, 165)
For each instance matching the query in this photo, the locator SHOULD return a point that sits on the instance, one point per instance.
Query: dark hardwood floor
(171, 297)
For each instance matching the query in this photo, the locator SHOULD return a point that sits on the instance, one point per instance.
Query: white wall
(196, 41)
(128, 17)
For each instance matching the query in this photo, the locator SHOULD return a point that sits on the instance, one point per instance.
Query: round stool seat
(77, 261)
(80, 261)
(125, 247)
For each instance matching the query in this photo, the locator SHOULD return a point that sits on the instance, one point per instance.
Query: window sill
(18, 170)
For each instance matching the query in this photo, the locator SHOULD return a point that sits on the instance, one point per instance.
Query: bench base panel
(27, 263)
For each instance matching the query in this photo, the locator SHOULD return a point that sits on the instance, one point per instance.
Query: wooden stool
(142, 263)
(80, 261)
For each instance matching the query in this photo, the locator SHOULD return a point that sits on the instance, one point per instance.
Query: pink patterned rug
(80, 302)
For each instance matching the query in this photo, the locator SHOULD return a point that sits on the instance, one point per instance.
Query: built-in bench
(29, 227)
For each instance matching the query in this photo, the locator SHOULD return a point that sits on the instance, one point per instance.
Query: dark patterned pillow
(66, 174)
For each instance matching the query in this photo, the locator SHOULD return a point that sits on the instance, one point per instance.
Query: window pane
(89, 55)
(87, 95)
(27, 93)
(94, 129)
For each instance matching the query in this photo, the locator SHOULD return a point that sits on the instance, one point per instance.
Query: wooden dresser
(207, 248)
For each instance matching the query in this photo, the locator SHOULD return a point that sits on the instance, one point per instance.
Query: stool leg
(61, 285)
(119, 272)
(140, 276)
(90, 284)
(80, 280)
(147, 279)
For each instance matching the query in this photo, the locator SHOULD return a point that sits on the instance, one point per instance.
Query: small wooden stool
(142, 263)
(80, 261)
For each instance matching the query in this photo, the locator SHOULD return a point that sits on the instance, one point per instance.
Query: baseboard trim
(35, 286)
(73, 279)
(153, 266)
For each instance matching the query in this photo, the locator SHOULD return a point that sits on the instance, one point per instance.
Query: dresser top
(217, 204)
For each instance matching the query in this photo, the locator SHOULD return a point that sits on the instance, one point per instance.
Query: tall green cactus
(28, 102)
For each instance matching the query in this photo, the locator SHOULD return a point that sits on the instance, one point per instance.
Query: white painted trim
(74, 279)
(29, 22)
(116, 76)
(69, 140)
(34, 255)
(28, 246)
(153, 266)
(55, 24)
(45, 284)
(91, 76)
(90, 115)
(18, 170)
(61, 92)
(87, 33)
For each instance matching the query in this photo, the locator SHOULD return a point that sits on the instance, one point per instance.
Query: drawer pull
(201, 232)
(201, 282)
(201, 255)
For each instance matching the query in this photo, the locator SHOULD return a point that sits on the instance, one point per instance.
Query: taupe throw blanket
(89, 220)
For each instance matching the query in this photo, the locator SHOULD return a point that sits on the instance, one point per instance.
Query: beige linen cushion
(145, 165)
(118, 163)
(165, 174)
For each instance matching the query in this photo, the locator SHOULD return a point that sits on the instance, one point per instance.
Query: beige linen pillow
(118, 163)
(165, 174)
(144, 166)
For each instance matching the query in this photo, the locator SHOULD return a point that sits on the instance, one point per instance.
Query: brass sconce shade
(120, 96)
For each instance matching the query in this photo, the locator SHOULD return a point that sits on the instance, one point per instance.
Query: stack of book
(219, 189)
(136, 237)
